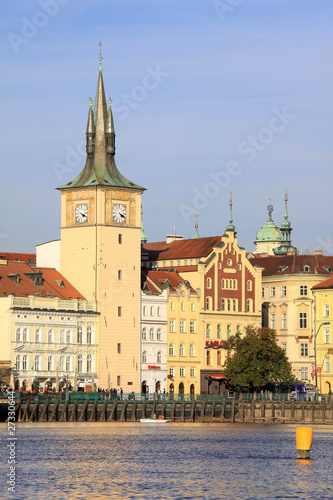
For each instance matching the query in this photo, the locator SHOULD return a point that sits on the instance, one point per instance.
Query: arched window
(249, 285)
(151, 311)
(61, 364)
(37, 363)
(144, 310)
(68, 337)
(144, 357)
(25, 334)
(229, 304)
(18, 362)
(50, 336)
(209, 303)
(62, 336)
(68, 363)
(159, 334)
(89, 334)
(208, 358)
(234, 304)
(89, 363)
(37, 335)
(80, 363)
(192, 350)
(219, 358)
(151, 334)
(24, 362)
(79, 334)
(171, 350)
(159, 357)
(181, 350)
(144, 333)
(222, 284)
(159, 311)
(222, 305)
(209, 282)
(18, 335)
(50, 363)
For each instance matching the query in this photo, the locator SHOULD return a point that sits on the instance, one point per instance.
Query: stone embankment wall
(239, 411)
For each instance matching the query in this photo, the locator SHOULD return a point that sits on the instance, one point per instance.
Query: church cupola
(90, 132)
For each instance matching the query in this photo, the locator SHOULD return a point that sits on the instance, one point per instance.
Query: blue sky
(209, 97)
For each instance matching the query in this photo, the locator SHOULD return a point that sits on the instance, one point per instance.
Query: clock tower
(100, 249)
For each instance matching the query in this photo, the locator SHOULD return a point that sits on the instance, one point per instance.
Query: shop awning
(217, 376)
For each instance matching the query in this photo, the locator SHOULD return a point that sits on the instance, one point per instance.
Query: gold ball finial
(230, 203)
(196, 221)
(286, 195)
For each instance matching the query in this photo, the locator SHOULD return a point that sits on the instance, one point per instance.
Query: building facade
(48, 330)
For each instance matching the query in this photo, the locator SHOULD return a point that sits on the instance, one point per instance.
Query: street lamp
(315, 350)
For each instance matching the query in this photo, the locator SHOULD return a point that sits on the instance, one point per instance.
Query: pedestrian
(121, 393)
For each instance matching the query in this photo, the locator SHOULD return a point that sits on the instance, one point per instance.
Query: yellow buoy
(304, 441)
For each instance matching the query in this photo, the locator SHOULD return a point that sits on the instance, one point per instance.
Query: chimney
(318, 252)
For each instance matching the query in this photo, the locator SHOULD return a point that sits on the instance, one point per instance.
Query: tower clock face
(81, 212)
(119, 213)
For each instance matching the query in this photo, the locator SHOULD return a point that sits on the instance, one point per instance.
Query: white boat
(153, 421)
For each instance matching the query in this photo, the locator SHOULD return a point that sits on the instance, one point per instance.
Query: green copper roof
(269, 232)
(230, 226)
(100, 168)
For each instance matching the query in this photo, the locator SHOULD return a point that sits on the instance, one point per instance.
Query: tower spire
(286, 247)
(110, 135)
(100, 168)
(230, 226)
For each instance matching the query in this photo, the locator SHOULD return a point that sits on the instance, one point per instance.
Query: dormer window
(36, 278)
(60, 283)
(307, 269)
(16, 278)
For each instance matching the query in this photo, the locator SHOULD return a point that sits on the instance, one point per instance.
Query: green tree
(255, 360)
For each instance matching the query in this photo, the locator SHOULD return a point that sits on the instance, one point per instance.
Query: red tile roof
(328, 283)
(29, 258)
(159, 278)
(181, 249)
(27, 287)
(294, 264)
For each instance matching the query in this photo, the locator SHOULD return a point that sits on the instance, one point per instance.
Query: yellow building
(228, 288)
(100, 247)
(288, 304)
(323, 297)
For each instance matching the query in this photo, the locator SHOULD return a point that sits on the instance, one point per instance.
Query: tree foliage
(255, 360)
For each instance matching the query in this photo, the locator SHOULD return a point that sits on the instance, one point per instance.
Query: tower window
(118, 348)
(119, 311)
(119, 275)
(119, 239)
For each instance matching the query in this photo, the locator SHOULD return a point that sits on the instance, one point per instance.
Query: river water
(119, 461)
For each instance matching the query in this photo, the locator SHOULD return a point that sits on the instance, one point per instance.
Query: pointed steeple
(110, 135)
(286, 247)
(143, 234)
(100, 168)
(196, 235)
(230, 226)
(90, 132)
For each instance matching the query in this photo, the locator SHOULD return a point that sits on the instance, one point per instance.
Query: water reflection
(179, 461)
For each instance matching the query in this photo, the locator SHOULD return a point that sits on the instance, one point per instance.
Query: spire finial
(230, 226)
(196, 235)
(270, 209)
(110, 102)
(286, 195)
(90, 102)
(100, 56)
(143, 234)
